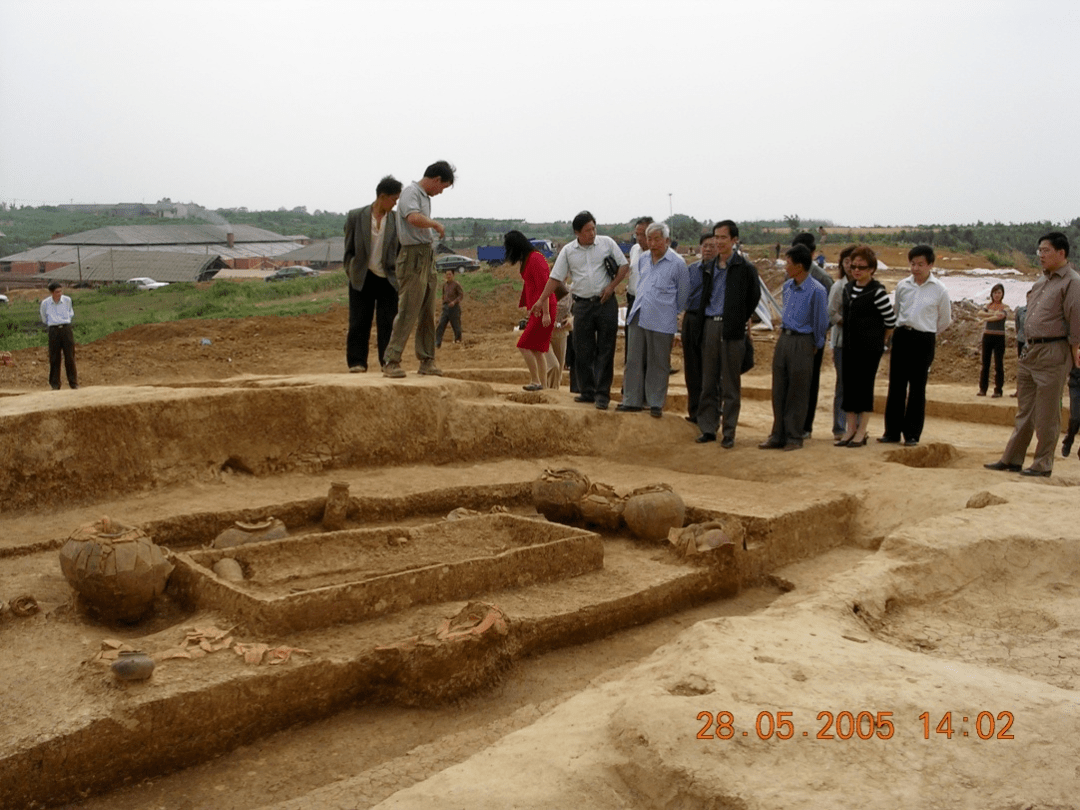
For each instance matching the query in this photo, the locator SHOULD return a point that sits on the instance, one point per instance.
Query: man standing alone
(452, 295)
(1052, 329)
(730, 296)
(596, 310)
(415, 271)
(56, 313)
(371, 247)
(923, 311)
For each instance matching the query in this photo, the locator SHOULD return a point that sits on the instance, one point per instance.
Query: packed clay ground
(613, 724)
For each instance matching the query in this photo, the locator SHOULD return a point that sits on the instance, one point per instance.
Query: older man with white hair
(662, 292)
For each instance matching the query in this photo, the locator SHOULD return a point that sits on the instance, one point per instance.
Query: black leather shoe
(656, 413)
(911, 443)
(627, 408)
(601, 405)
(705, 438)
(691, 419)
(770, 445)
(887, 440)
(1001, 466)
(1030, 473)
(580, 398)
(727, 443)
(792, 446)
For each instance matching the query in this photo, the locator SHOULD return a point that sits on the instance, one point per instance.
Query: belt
(786, 331)
(61, 325)
(1046, 340)
(913, 329)
(717, 318)
(594, 299)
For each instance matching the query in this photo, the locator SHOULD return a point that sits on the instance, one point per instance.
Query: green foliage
(793, 222)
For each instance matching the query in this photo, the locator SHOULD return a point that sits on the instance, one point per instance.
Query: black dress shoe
(1001, 466)
(727, 443)
(656, 413)
(627, 408)
(911, 443)
(705, 438)
(1030, 473)
(691, 419)
(887, 440)
(581, 398)
(601, 405)
(792, 446)
(770, 445)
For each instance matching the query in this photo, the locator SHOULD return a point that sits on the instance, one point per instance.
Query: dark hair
(704, 236)
(925, 251)
(518, 247)
(389, 186)
(866, 254)
(442, 170)
(732, 228)
(840, 262)
(643, 221)
(807, 239)
(55, 285)
(1057, 240)
(583, 219)
(997, 286)
(800, 254)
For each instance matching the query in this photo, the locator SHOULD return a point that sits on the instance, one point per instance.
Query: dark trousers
(721, 381)
(377, 299)
(909, 366)
(693, 328)
(62, 341)
(815, 383)
(992, 344)
(839, 416)
(792, 368)
(450, 315)
(1074, 405)
(596, 327)
(626, 328)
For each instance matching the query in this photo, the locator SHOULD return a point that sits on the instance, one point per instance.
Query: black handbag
(748, 355)
(610, 266)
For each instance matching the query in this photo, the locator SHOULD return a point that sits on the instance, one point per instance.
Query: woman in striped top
(868, 320)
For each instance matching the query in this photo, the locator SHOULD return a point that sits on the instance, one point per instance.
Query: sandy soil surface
(991, 594)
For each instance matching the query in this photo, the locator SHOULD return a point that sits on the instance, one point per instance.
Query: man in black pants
(923, 310)
(693, 325)
(826, 281)
(596, 310)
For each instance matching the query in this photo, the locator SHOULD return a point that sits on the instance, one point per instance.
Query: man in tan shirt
(1052, 328)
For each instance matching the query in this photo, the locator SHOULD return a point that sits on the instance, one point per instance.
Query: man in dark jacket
(371, 248)
(731, 290)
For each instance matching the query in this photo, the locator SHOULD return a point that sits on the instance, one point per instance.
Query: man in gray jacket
(371, 248)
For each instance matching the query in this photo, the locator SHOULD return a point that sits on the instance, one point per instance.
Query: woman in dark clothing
(993, 340)
(868, 321)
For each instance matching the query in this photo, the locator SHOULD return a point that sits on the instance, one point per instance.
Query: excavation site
(283, 586)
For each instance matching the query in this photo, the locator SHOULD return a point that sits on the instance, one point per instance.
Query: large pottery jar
(116, 569)
(651, 511)
(557, 494)
(241, 533)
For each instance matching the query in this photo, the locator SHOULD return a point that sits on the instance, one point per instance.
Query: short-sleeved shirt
(584, 264)
(632, 276)
(1053, 306)
(56, 313)
(923, 307)
(414, 200)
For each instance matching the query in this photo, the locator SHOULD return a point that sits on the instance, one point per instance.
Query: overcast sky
(862, 112)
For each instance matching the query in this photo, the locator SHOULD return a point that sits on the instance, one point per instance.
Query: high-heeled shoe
(854, 443)
(842, 442)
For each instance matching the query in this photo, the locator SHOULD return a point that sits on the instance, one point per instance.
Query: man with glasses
(923, 311)
(1052, 329)
(596, 310)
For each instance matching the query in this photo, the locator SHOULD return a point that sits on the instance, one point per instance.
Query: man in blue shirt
(802, 333)
(662, 291)
(56, 313)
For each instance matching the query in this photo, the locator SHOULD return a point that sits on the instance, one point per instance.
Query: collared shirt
(378, 228)
(693, 300)
(663, 288)
(924, 307)
(56, 313)
(806, 308)
(632, 276)
(452, 292)
(414, 200)
(719, 287)
(584, 264)
(1053, 306)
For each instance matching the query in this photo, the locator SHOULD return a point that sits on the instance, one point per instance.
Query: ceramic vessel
(133, 665)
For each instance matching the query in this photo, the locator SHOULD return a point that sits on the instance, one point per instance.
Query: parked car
(3, 299)
(456, 263)
(297, 271)
(145, 283)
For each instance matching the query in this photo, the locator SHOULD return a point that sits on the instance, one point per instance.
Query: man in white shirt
(371, 248)
(581, 264)
(56, 314)
(923, 310)
(636, 250)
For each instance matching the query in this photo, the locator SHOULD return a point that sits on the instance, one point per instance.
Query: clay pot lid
(255, 526)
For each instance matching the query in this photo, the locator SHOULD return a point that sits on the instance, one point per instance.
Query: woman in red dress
(535, 340)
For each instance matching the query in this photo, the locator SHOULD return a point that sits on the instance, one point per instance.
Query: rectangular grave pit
(326, 578)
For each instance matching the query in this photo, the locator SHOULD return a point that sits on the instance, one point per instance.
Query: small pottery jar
(337, 507)
(133, 665)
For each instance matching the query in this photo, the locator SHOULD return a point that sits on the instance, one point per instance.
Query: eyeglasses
(858, 267)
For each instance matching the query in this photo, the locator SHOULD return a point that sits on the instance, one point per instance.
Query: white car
(144, 283)
(3, 299)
